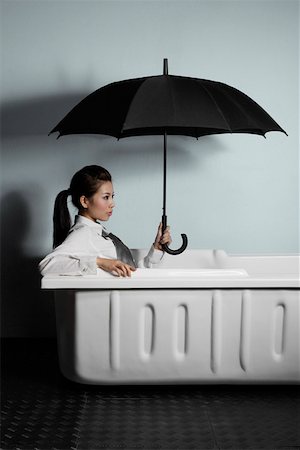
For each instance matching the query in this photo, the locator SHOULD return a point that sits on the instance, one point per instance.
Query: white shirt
(84, 243)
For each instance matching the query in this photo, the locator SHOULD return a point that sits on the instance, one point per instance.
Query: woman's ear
(84, 201)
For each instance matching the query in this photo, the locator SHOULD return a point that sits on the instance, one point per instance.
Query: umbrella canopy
(166, 104)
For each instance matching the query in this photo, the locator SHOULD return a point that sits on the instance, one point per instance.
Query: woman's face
(100, 205)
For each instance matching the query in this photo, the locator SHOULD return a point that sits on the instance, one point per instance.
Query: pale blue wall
(235, 192)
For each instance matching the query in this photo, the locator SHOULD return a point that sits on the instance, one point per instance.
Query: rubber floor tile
(255, 420)
(146, 423)
(41, 410)
(40, 419)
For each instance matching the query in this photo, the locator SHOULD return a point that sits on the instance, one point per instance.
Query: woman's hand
(162, 239)
(115, 267)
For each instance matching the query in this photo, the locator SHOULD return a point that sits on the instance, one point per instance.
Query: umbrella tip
(165, 66)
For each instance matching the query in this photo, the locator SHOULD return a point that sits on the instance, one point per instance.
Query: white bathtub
(201, 317)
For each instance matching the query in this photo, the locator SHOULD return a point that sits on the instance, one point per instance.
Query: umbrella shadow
(35, 116)
(144, 154)
(38, 116)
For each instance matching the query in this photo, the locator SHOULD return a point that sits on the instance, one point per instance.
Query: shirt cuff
(88, 265)
(154, 256)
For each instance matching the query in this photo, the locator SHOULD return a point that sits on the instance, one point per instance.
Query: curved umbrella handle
(165, 246)
(179, 250)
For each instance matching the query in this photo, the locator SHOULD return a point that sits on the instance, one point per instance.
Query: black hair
(85, 182)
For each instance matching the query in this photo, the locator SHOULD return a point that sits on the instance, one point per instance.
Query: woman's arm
(156, 252)
(75, 256)
(78, 255)
(115, 267)
(54, 264)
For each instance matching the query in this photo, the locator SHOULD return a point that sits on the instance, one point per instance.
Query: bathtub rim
(289, 281)
(260, 271)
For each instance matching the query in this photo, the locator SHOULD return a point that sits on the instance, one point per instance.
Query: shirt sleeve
(153, 257)
(75, 256)
(59, 264)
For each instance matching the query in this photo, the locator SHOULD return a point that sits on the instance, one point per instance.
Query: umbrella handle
(179, 250)
(165, 246)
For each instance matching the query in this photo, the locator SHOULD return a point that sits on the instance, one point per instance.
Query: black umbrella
(166, 104)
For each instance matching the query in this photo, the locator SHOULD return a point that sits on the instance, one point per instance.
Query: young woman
(86, 246)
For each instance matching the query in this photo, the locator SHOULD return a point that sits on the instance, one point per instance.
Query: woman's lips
(109, 213)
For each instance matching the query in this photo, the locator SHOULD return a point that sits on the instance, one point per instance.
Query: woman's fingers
(123, 270)
(115, 267)
(162, 238)
(159, 232)
(120, 271)
(127, 270)
(166, 238)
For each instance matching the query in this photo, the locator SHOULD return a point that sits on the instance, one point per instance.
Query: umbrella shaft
(164, 218)
(166, 66)
(165, 174)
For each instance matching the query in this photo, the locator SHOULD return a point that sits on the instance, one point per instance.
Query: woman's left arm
(156, 252)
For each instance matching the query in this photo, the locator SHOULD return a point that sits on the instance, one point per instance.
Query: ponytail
(61, 218)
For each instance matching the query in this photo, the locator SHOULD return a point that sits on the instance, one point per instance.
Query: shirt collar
(90, 223)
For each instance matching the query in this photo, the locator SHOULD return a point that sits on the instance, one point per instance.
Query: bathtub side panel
(179, 336)
(273, 343)
(82, 319)
(195, 335)
(178, 330)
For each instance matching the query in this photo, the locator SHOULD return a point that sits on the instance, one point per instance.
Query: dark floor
(43, 410)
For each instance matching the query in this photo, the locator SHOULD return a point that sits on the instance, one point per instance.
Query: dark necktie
(123, 252)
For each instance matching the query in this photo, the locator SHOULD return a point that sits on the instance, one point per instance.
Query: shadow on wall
(25, 310)
(36, 116)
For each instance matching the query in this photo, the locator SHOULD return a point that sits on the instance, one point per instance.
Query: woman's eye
(106, 197)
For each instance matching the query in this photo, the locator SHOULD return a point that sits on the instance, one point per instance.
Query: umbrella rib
(169, 79)
(124, 121)
(129, 106)
(217, 106)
